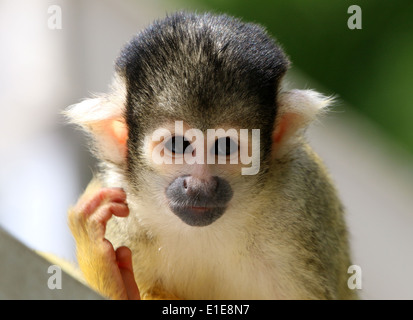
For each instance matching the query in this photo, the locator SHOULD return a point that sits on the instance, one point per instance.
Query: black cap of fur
(214, 64)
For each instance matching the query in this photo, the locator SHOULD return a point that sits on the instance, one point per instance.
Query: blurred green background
(371, 69)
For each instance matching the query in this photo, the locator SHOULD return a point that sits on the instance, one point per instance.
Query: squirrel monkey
(207, 188)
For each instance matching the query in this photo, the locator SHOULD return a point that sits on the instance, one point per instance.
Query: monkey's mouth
(197, 216)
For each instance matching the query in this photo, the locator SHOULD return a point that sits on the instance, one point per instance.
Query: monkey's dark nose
(198, 202)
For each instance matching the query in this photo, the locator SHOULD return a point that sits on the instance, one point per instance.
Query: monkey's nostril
(185, 184)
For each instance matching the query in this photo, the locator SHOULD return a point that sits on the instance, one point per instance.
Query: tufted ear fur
(296, 110)
(103, 118)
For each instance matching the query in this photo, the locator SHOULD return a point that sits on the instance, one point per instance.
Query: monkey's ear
(103, 119)
(296, 110)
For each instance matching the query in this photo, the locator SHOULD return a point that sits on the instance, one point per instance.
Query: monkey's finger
(105, 212)
(124, 260)
(96, 223)
(89, 203)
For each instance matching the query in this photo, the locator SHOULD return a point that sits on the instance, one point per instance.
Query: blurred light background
(366, 141)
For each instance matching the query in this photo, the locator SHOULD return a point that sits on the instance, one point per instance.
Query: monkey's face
(210, 72)
(198, 173)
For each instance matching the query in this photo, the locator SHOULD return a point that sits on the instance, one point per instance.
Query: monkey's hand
(107, 271)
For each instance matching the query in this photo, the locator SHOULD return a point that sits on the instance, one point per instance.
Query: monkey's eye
(178, 145)
(225, 147)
